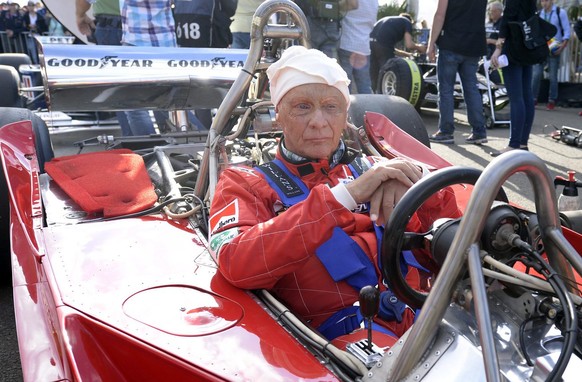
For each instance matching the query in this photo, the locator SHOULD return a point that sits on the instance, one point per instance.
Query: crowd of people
(33, 18)
(347, 30)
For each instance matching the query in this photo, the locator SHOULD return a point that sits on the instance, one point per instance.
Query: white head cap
(299, 65)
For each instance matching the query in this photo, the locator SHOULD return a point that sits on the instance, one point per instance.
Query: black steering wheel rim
(393, 237)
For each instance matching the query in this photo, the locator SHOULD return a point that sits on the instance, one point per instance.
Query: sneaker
(551, 105)
(475, 139)
(440, 137)
(503, 151)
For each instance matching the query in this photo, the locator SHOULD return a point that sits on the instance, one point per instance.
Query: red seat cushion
(113, 182)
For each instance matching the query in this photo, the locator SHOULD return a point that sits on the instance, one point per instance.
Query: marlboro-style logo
(226, 216)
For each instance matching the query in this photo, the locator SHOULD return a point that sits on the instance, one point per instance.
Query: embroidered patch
(221, 238)
(346, 180)
(226, 216)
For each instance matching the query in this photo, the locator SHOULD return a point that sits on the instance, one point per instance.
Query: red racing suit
(259, 245)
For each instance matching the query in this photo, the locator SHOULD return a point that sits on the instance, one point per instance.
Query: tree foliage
(394, 8)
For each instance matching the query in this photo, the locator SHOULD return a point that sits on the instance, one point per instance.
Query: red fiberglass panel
(386, 136)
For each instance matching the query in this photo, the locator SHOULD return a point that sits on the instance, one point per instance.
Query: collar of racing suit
(301, 166)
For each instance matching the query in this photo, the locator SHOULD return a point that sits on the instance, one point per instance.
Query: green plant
(394, 8)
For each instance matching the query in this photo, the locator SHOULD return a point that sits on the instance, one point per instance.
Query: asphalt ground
(558, 156)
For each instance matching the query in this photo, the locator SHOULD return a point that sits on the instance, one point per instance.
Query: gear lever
(369, 305)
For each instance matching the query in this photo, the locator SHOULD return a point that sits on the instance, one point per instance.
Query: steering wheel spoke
(414, 240)
(396, 239)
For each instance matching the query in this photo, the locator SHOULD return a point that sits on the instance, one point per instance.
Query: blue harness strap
(290, 188)
(355, 267)
(347, 320)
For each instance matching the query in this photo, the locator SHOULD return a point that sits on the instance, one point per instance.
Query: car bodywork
(139, 297)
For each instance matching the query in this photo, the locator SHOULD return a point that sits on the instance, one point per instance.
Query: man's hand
(383, 185)
(384, 200)
(431, 52)
(85, 24)
(358, 61)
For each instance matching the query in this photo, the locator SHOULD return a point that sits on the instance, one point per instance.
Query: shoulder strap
(289, 186)
(560, 21)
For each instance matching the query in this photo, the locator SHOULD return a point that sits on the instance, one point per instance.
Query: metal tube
(181, 118)
(568, 251)
(483, 316)
(241, 84)
(468, 233)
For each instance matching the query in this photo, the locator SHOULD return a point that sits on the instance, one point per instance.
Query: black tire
(402, 78)
(44, 153)
(15, 60)
(397, 109)
(10, 85)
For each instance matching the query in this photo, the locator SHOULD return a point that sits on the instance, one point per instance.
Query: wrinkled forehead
(314, 93)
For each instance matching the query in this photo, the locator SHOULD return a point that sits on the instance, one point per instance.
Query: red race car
(115, 280)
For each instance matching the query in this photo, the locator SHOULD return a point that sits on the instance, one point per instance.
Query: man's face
(546, 4)
(313, 117)
(495, 14)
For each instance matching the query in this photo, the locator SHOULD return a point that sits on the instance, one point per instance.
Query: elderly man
(301, 226)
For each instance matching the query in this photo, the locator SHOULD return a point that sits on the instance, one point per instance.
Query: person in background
(34, 22)
(106, 29)
(204, 23)
(40, 9)
(354, 49)
(55, 28)
(147, 23)
(494, 12)
(241, 24)
(324, 19)
(385, 35)
(558, 17)
(517, 78)
(12, 22)
(457, 30)
(262, 238)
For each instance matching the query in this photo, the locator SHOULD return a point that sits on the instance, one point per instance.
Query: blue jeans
(241, 40)
(518, 80)
(325, 36)
(134, 122)
(538, 71)
(358, 76)
(448, 65)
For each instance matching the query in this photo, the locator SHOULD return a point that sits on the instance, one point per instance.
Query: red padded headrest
(113, 182)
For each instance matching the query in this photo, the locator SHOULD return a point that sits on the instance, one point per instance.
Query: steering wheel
(395, 239)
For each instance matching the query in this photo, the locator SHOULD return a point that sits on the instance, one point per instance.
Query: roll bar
(296, 29)
(559, 251)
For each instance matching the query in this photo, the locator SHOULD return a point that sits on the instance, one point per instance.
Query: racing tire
(397, 109)
(10, 85)
(403, 78)
(15, 60)
(44, 153)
